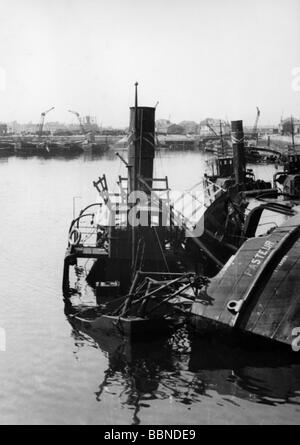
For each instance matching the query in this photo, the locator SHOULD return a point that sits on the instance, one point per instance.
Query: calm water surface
(51, 373)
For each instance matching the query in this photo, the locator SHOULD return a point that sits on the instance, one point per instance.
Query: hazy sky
(198, 58)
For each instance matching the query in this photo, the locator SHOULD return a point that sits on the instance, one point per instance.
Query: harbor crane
(42, 121)
(83, 130)
(254, 131)
(211, 128)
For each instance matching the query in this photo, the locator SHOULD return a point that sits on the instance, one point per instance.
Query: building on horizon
(213, 127)
(190, 127)
(3, 129)
(161, 126)
(289, 125)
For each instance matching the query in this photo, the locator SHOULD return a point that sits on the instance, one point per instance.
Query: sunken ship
(257, 291)
(134, 242)
(134, 265)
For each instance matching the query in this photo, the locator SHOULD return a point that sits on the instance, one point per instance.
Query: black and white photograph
(150, 215)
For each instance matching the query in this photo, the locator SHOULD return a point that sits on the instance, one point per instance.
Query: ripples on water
(53, 373)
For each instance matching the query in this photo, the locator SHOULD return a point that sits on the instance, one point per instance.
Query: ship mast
(293, 133)
(222, 141)
(133, 175)
(238, 146)
(140, 165)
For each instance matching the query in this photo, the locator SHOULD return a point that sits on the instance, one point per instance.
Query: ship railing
(183, 210)
(190, 205)
(187, 208)
(83, 233)
(90, 228)
(174, 215)
(123, 187)
(212, 190)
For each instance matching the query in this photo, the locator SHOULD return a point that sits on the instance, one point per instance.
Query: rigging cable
(161, 249)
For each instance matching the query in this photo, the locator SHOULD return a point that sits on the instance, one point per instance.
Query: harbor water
(52, 374)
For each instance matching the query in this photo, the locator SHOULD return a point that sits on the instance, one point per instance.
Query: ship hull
(133, 328)
(258, 291)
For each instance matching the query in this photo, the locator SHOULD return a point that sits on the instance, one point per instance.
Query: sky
(197, 58)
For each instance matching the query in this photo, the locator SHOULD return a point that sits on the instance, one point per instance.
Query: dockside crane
(82, 128)
(254, 131)
(211, 128)
(42, 121)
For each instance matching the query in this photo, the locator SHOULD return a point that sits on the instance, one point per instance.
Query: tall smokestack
(141, 148)
(238, 145)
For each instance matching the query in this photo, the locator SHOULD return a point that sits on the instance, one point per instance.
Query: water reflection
(4, 159)
(49, 156)
(85, 156)
(135, 371)
(255, 372)
(94, 156)
(187, 370)
(173, 379)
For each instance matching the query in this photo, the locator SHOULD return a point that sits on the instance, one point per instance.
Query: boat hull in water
(258, 290)
(6, 148)
(133, 328)
(162, 318)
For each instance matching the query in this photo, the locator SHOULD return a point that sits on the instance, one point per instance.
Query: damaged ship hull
(258, 290)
